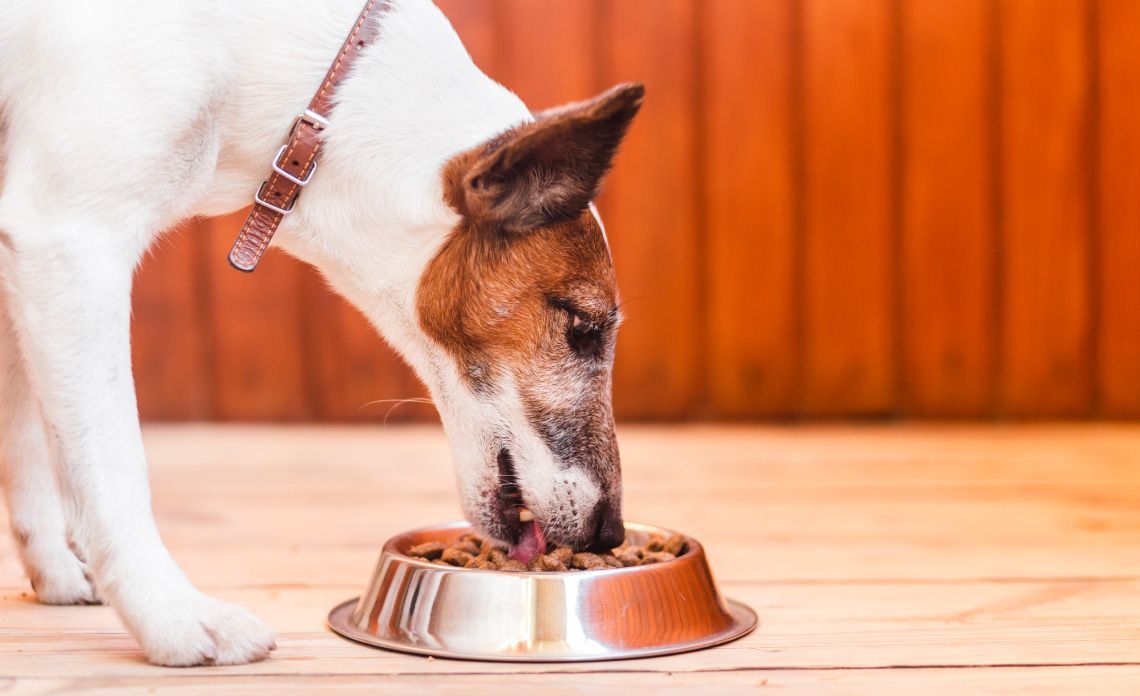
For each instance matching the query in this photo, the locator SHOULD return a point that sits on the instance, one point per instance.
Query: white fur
(117, 120)
(602, 227)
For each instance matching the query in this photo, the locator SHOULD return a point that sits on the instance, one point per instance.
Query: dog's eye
(585, 337)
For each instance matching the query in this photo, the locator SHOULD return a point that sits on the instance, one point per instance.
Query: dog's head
(521, 303)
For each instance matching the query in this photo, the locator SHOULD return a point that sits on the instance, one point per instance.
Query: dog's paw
(204, 631)
(60, 578)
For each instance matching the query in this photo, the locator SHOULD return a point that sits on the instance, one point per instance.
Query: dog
(457, 221)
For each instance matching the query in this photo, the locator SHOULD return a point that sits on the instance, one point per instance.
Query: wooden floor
(881, 559)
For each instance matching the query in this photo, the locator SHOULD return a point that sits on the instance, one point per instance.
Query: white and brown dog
(460, 224)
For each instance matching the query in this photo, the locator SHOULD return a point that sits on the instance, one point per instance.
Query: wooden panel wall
(750, 178)
(828, 208)
(947, 175)
(1047, 238)
(1116, 258)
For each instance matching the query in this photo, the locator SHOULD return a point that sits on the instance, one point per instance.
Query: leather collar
(296, 160)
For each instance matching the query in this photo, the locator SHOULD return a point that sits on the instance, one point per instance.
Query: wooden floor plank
(802, 627)
(1011, 681)
(922, 502)
(864, 550)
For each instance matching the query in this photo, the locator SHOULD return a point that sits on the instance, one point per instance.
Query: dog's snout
(609, 529)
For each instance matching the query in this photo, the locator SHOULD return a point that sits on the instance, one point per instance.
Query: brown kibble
(546, 562)
(430, 550)
(472, 551)
(456, 557)
(675, 545)
(551, 562)
(629, 558)
(587, 561)
(468, 546)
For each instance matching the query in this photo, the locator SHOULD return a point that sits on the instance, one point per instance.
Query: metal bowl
(416, 606)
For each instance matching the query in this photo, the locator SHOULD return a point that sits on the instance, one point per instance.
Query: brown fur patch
(489, 299)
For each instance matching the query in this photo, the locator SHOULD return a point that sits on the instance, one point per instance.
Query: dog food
(473, 551)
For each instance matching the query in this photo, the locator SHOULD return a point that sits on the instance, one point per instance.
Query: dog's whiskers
(396, 403)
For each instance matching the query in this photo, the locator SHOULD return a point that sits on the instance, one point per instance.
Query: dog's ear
(547, 171)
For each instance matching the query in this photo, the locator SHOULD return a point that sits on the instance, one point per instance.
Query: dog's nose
(609, 530)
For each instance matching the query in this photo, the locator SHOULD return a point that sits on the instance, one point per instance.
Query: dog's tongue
(531, 543)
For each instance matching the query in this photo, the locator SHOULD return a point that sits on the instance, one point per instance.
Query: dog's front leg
(28, 475)
(71, 309)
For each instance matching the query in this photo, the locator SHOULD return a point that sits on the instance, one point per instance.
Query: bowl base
(744, 619)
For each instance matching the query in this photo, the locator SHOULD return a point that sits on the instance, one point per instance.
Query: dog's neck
(374, 214)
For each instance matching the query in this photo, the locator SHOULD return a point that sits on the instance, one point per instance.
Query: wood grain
(953, 503)
(258, 333)
(355, 375)
(1046, 362)
(172, 328)
(950, 559)
(752, 261)
(975, 626)
(948, 236)
(998, 681)
(848, 198)
(537, 34)
(1118, 338)
(651, 225)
